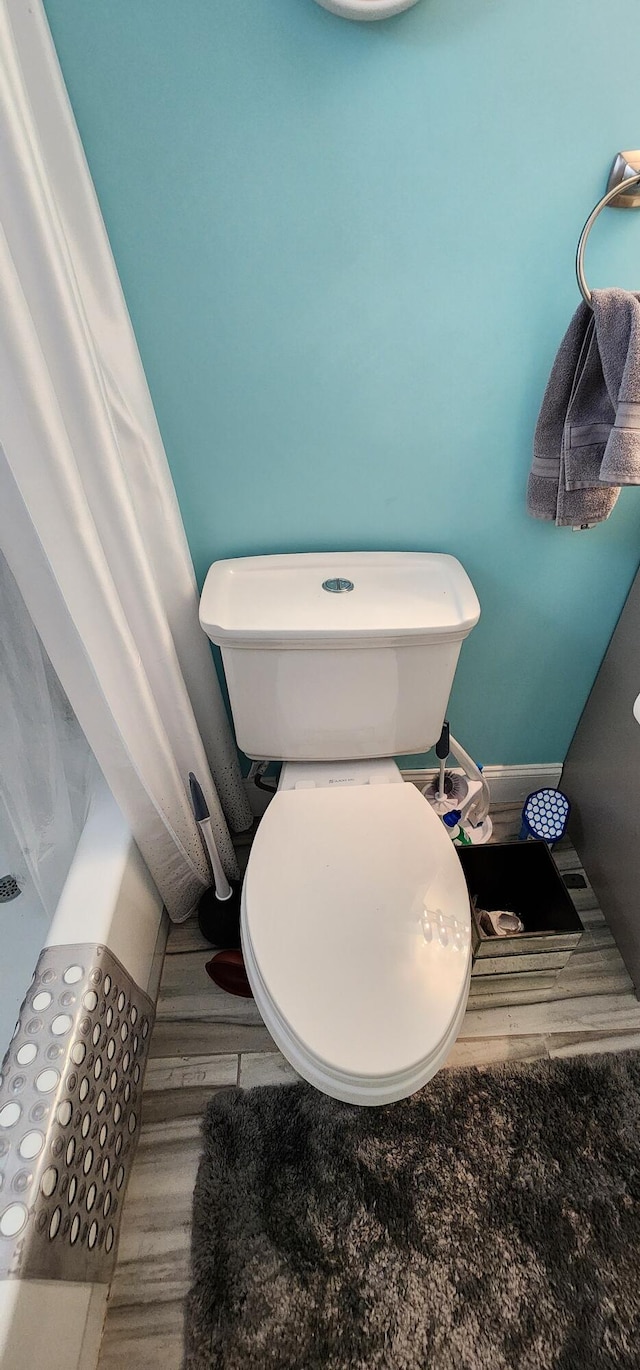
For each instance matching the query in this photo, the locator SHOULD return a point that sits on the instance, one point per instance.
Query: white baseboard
(508, 784)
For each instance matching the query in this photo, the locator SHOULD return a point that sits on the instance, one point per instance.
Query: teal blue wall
(348, 254)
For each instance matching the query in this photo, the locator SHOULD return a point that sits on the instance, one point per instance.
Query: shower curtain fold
(90, 524)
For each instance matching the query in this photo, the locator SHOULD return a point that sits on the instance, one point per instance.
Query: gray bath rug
(491, 1222)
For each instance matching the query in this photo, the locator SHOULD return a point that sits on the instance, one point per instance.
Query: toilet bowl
(355, 917)
(356, 931)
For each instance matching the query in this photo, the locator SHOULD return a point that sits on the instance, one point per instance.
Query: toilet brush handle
(443, 745)
(442, 752)
(202, 816)
(222, 887)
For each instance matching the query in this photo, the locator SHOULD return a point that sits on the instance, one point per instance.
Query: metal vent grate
(9, 888)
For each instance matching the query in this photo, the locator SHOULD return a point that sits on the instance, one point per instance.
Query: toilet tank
(335, 656)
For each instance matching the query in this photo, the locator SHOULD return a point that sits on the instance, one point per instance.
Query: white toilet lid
(358, 915)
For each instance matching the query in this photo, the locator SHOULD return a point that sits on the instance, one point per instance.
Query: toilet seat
(356, 936)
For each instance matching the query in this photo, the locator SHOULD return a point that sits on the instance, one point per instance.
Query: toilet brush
(219, 907)
(448, 789)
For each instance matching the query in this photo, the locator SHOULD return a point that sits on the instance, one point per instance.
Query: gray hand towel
(587, 439)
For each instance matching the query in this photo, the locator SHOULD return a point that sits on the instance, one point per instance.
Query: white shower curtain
(89, 522)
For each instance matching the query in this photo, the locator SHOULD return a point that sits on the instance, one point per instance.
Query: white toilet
(355, 921)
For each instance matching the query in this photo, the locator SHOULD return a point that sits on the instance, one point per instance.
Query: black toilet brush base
(219, 919)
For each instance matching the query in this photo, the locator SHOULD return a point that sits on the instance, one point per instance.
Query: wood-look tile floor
(205, 1040)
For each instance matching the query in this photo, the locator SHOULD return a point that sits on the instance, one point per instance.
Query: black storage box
(522, 878)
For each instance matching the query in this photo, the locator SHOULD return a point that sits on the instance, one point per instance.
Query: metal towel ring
(624, 177)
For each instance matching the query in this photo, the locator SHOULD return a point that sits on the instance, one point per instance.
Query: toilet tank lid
(337, 598)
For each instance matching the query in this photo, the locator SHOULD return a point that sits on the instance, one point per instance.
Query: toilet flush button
(337, 585)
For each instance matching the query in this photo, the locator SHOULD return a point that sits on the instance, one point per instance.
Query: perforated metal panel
(9, 888)
(70, 1097)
